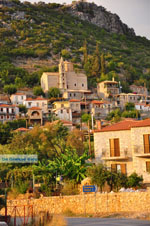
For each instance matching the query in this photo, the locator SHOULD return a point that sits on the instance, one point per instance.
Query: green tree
(86, 117)
(85, 52)
(134, 180)
(19, 82)
(129, 106)
(102, 64)
(38, 91)
(22, 109)
(96, 62)
(10, 89)
(53, 92)
(98, 174)
(5, 133)
(65, 54)
(70, 165)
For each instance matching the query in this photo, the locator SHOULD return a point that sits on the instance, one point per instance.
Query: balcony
(139, 152)
(123, 155)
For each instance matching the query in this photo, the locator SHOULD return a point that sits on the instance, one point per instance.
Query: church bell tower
(62, 75)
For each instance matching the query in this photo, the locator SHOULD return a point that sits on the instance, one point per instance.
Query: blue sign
(89, 188)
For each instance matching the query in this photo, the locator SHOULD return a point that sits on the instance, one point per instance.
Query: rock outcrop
(99, 16)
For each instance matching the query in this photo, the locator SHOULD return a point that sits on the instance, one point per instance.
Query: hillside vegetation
(41, 32)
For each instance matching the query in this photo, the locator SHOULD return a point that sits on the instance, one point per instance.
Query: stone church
(67, 80)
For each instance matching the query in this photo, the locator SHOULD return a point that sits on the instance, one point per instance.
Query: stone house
(37, 102)
(62, 110)
(124, 98)
(8, 112)
(100, 109)
(76, 111)
(18, 98)
(139, 89)
(35, 115)
(125, 147)
(142, 107)
(4, 99)
(107, 89)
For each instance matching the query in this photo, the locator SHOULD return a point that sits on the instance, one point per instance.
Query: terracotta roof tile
(35, 108)
(97, 102)
(7, 106)
(126, 124)
(74, 100)
(38, 98)
(21, 129)
(18, 94)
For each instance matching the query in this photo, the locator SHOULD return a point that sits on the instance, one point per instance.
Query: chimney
(99, 124)
(113, 79)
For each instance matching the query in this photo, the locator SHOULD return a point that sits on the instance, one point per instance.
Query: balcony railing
(140, 152)
(124, 155)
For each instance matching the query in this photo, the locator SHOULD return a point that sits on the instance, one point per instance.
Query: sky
(134, 13)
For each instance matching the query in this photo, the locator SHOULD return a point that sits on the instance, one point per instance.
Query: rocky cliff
(99, 16)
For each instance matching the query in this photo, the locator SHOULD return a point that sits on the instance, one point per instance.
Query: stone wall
(88, 203)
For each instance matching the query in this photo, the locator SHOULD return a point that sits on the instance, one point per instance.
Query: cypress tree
(102, 64)
(96, 65)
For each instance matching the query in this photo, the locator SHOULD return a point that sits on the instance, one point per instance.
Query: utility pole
(89, 137)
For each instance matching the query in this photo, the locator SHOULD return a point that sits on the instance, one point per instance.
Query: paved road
(105, 222)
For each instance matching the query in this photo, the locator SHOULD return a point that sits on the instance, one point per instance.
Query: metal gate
(19, 215)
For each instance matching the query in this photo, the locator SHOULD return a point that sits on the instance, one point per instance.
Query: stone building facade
(125, 147)
(65, 79)
(107, 89)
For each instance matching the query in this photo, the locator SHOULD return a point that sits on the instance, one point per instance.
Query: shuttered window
(123, 168)
(146, 138)
(148, 167)
(119, 168)
(114, 168)
(114, 147)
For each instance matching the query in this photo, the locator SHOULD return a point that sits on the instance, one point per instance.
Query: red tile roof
(7, 106)
(38, 98)
(126, 124)
(18, 94)
(21, 129)
(35, 108)
(74, 100)
(97, 102)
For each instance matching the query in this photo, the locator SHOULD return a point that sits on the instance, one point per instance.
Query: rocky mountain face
(98, 15)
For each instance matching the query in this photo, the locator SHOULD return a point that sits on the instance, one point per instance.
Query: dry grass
(57, 220)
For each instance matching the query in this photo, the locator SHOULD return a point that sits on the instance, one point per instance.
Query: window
(1, 116)
(146, 138)
(37, 104)
(75, 84)
(70, 94)
(21, 97)
(2, 109)
(42, 104)
(119, 168)
(12, 110)
(148, 167)
(67, 111)
(82, 85)
(61, 111)
(74, 94)
(29, 103)
(114, 147)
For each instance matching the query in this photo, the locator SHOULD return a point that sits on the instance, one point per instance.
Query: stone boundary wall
(88, 203)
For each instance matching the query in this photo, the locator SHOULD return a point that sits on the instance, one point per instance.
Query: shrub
(22, 187)
(134, 180)
(70, 188)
